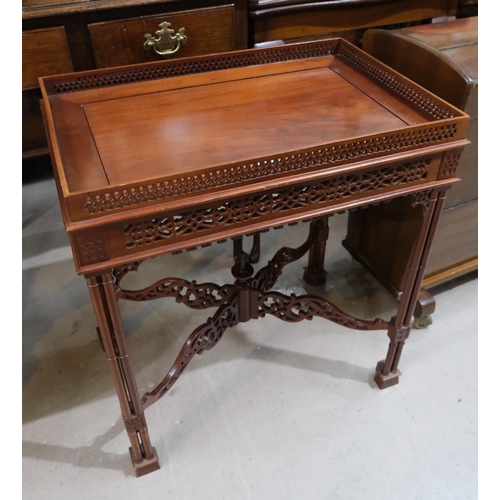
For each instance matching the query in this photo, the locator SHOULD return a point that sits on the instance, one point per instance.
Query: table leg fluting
(387, 372)
(102, 293)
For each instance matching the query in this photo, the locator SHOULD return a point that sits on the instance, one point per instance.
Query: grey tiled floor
(275, 412)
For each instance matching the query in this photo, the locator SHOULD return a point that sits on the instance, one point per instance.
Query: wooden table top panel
(82, 166)
(187, 130)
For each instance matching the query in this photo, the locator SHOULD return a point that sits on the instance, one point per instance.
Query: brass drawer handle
(166, 44)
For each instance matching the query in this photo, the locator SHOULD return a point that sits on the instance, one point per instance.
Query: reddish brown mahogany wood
(167, 156)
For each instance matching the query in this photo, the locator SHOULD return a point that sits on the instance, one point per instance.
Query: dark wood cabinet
(70, 35)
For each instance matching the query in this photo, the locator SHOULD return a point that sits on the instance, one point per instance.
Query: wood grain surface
(201, 127)
(45, 52)
(169, 155)
(121, 42)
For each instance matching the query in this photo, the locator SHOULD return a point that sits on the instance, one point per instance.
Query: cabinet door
(206, 31)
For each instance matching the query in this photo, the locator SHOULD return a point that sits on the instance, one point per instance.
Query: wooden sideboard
(69, 35)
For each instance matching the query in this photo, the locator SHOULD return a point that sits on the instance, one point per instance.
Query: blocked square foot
(385, 381)
(147, 465)
(314, 278)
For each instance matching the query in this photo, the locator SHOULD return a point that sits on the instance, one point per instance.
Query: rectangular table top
(189, 129)
(177, 133)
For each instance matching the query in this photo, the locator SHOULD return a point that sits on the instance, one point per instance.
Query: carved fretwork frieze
(240, 211)
(419, 199)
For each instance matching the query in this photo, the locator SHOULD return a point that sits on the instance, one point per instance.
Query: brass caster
(422, 323)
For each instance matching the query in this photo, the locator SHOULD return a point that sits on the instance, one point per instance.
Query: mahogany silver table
(168, 156)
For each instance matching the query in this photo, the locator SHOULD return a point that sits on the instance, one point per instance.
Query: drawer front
(45, 52)
(208, 31)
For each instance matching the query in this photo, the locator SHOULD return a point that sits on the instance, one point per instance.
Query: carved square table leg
(102, 293)
(387, 372)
